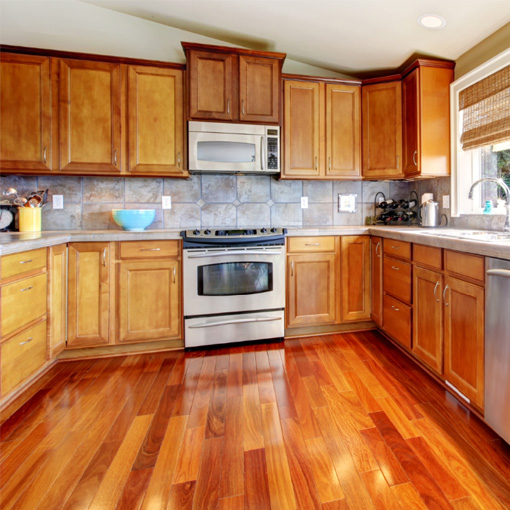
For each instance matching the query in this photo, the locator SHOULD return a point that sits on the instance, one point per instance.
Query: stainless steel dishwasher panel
(497, 347)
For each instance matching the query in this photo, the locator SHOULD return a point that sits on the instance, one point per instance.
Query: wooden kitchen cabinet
(382, 130)
(312, 276)
(428, 318)
(155, 121)
(464, 338)
(90, 116)
(426, 119)
(376, 263)
(232, 84)
(88, 301)
(148, 291)
(322, 130)
(25, 113)
(57, 299)
(355, 278)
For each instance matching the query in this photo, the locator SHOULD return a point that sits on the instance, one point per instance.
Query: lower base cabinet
(57, 284)
(397, 320)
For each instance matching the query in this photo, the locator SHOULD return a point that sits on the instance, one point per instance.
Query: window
(480, 106)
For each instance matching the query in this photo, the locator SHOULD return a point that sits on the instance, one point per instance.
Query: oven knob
(207, 232)
(263, 230)
(274, 229)
(196, 232)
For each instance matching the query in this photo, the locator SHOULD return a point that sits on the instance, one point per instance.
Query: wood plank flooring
(339, 422)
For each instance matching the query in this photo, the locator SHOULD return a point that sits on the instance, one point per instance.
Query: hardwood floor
(335, 422)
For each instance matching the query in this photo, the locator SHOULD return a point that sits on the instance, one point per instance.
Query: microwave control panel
(273, 149)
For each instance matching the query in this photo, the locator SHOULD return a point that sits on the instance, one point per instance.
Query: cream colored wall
(71, 25)
(496, 43)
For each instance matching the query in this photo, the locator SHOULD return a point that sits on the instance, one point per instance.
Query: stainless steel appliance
(497, 347)
(222, 147)
(234, 285)
(429, 214)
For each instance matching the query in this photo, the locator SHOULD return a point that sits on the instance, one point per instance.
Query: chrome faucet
(501, 183)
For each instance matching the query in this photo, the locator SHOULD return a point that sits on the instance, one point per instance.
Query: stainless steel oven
(234, 285)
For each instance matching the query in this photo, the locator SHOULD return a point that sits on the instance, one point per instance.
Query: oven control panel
(212, 233)
(264, 236)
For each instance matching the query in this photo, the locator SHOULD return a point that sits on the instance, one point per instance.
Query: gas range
(265, 236)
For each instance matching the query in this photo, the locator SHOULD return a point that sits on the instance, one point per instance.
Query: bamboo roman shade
(486, 107)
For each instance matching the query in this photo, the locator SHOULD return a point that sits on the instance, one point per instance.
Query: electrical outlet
(446, 201)
(166, 202)
(304, 202)
(58, 201)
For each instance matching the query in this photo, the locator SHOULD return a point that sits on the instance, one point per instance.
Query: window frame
(460, 187)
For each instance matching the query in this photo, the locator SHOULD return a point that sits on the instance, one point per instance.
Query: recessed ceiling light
(431, 21)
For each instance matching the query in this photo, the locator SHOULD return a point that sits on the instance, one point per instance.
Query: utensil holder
(29, 219)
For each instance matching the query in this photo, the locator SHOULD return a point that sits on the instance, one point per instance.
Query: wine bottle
(386, 204)
(408, 216)
(407, 204)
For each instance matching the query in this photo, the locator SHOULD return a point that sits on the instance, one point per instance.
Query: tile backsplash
(202, 200)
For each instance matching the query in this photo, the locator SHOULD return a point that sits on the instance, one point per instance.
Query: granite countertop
(13, 242)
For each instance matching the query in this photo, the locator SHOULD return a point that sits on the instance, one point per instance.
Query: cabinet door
(343, 131)
(302, 129)
(355, 277)
(149, 300)
(382, 130)
(88, 294)
(464, 338)
(156, 127)
(428, 318)
(89, 94)
(259, 89)
(411, 114)
(25, 113)
(211, 94)
(57, 283)
(376, 279)
(311, 289)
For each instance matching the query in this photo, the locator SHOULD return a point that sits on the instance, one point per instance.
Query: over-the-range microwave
(220, 147)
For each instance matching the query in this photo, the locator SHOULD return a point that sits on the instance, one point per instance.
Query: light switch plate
(166, 202)
(58, 201)
(304, 202)
(446, 201)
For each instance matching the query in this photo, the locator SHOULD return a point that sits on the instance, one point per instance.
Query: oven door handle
(234, 321)
(223, 253)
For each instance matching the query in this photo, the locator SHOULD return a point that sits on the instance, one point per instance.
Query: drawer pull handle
(395, 308)
(444, 296)
(395, 247)
(377, 250)
(27, 288)
(104, 257)
(25, 261)
(174, 275)
(395, 268)
(27, 341)
(435, 288)
(312, 244)
(292, 268)
(150, 249)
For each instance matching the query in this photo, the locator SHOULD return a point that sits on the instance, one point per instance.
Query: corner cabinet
(232, 84)
(25, 113)
(426, 114)
(322, 130)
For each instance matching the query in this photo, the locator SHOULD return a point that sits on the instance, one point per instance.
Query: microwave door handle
(224, 253)
(262, 153)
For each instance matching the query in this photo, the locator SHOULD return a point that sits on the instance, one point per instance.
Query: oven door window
(235, 278)
(226, 152)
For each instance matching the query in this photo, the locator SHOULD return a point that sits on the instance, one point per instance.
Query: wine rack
(396, 212)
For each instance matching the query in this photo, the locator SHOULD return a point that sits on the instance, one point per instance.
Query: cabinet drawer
(22, 302)
(397, 320)
(148, 249)
(19, 263)
(22, 355)
(310, 244)
(400, 249)
(397, 278)
(464, 265)
(428, 256)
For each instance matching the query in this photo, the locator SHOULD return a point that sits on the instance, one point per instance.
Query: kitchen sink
(490, 236)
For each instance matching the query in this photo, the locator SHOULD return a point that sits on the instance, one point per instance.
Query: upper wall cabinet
(426, 114)
(232, 84)
(89, 102)
(322, 130)
(382, 130)
(25, 113)
(155, 121)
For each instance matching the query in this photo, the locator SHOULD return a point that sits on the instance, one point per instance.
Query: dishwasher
(497, 346)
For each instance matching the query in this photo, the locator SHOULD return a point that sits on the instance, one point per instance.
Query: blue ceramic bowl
(134, 220)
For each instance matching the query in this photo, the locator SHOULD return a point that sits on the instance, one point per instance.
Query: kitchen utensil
(429, 214)
(11, 191)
